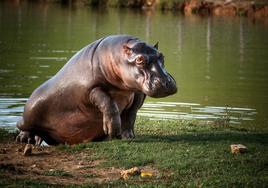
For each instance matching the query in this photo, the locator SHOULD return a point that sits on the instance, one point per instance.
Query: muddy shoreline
(51, 165)
(253, 9)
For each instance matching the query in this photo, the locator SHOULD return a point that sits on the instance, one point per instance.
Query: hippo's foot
(27, 137)
(112, 126)
(128, 134)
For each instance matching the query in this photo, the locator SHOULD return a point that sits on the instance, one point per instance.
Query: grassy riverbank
(178, 154)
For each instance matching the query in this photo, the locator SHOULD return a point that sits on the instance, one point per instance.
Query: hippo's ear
(127, 50)
(156, 46)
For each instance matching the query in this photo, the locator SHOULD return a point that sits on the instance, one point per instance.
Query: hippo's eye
(140, 60)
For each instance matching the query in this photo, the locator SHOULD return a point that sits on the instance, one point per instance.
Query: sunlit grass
(187, 154)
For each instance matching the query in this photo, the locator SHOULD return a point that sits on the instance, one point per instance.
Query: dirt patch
(50, 165)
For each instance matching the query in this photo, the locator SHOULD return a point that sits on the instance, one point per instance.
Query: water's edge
(11, 110)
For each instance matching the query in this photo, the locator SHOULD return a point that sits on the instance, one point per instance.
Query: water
(220, 63)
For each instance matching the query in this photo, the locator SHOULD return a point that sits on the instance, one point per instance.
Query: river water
(220, 63)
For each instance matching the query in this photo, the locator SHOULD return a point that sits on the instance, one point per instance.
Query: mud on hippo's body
(97, 93)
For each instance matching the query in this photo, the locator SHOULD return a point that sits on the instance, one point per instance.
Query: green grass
(57, 173)
(90, 175)
(4, 134)
(186, 154)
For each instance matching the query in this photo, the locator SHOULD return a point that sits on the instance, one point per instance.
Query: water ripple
(194, 111)
(11, 110)
(49, 58)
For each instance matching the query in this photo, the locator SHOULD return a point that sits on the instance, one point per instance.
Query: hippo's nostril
(167, 85)
(168, 79)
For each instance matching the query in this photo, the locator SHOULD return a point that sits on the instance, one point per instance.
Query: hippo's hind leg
(27, 136)
(128, 116)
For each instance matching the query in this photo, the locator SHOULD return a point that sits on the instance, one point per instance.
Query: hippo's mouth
(157, 87)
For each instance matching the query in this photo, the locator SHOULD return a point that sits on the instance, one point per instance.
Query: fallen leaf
(130, 172)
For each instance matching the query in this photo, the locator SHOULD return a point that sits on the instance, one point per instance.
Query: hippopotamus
(96, 94)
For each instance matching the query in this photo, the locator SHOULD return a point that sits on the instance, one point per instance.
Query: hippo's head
(146, 71)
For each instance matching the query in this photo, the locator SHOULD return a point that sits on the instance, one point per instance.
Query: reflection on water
(11, 110)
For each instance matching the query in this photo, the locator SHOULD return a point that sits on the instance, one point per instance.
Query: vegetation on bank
(252, 8)
(183, 154)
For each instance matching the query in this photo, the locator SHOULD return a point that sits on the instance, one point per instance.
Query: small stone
(238, 148)
(33, 166)
(27, 150)
(130, 172)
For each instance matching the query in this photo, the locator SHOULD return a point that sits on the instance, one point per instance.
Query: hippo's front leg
(109, 108)
(129, 116)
